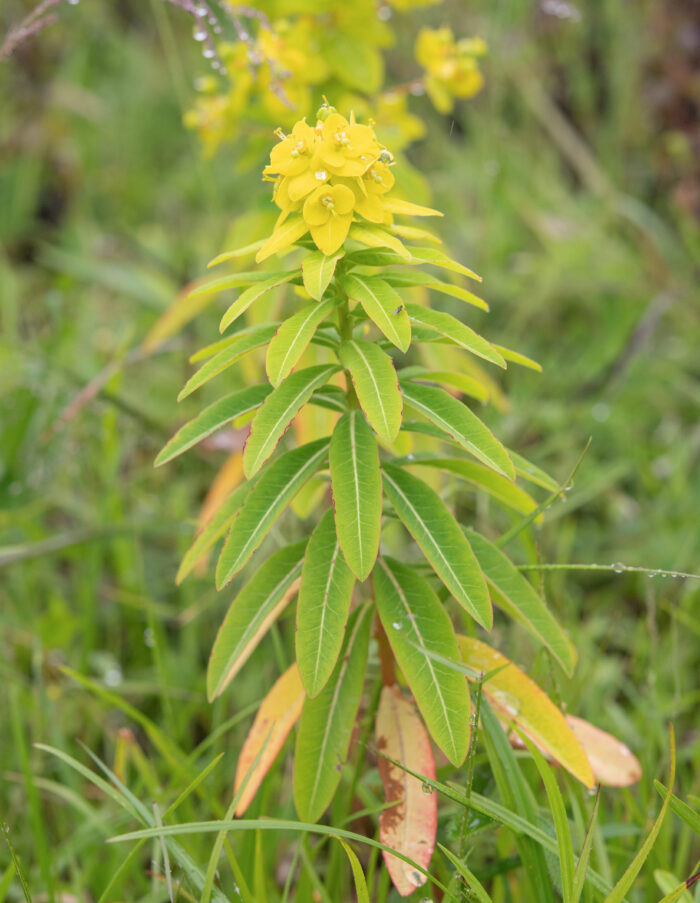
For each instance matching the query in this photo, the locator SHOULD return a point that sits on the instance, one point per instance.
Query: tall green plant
(353, 346)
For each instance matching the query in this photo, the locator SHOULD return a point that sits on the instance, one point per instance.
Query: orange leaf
(516, 698)
(409, 827)
(612, 762)
(275, 718)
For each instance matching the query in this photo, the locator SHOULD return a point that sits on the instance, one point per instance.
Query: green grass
(107, 210)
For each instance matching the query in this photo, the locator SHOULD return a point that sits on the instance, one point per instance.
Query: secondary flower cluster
(328, 174)
(451, 67)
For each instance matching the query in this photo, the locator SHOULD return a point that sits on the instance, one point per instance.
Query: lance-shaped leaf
(456, 331)
(406, 208)
(417, 624)
(516, 698)
(432, 525)
(493, 483)
(383, 305)
(214, 529)
(246, 298)
(375, 237)
(292, 339)
(212, 419)
(232, 280)
(454, 418)
(412, 277)
(517, 596)
(273, 491)
(278, 411)
(438, 258)
(252, 612)
(516, 357)
(324, 602)
(410, 825)
(277, 715)
(326, 723)
(235, 348)
(283, 236)
(533, 474)
(317, 270)
(376, 385)
(356, 481)
(245, 251)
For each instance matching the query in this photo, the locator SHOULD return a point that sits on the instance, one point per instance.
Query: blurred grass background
(571, 184)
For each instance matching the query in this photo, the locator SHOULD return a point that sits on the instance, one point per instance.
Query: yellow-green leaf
(516, 698)
(383, 305)
(251, 294)
(376, 385)
(416, 623)
(317, 271)
(292, 339)
(252, 612)
(277, 412)
(283, 236)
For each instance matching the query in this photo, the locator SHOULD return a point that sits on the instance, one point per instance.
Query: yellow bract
(327, 177)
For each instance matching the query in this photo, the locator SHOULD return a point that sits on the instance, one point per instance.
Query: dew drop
(209, 53)
(396, 625)
(199, 34)
(321, 175)
(427, 788)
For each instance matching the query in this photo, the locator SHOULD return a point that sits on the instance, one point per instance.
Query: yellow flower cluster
(452, 67)
(329, 174)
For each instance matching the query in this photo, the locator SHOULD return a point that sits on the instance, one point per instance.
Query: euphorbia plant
(353, 346)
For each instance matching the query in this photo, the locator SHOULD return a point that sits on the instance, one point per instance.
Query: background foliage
(568, 183)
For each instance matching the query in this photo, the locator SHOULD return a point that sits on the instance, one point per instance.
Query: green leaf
(461, 381)
(237, 252)
(415, 620)
(456, 331)
(292, 339)
(375, 257)
(475, 887)
(317, 270)
(515, 357)
(361, 889)
(273, 491)
(458, 421)
(326, 723)
(246, 298)
(278, 411)
(682, 809)
(438, 258)
(443, 543)
(356, 481)
(240, 344)
(376, 385)
(212, 419)
(383, 305)
(217, 526)
(251, 614)
(493, 483)
(413, 277)
(232, 280)
(518, 598)
(533, 474)
(322, 610)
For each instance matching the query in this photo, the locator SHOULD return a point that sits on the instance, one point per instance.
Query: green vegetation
(567, 183)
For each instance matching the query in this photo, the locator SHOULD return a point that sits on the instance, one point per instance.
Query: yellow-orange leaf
(277, 715)
(409, 827)
(516, 698)
(612, 762)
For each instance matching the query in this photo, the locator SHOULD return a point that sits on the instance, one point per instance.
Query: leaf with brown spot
(410, 826)
(274, 720)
